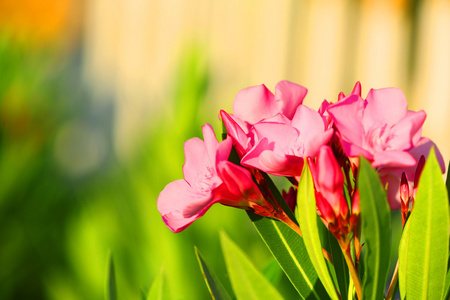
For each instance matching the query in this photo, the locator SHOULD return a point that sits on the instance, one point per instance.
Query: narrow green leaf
(289, 250)
(427, 249)
(340, 266)
(247, 281)
(111, 288)
(376, 221)
(306, 214)
(447, 286)
(215, 287)
(156, 291)
(403, 260)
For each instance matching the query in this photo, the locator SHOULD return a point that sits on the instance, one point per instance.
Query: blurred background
(98, 96)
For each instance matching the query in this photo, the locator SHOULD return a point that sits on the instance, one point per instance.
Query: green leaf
(447, 286)
(272, 271)
(307, 216)
(339, 266)
(156, 291)
(427, 249)
(215, 287)
(111, 287)
(376, 221)
(247, 281)
(289, 250)
(403, 260)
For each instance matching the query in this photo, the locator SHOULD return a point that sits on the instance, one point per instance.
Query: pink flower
(379, 128)
(208, 178)
(391, 176)
(281, 148)
(329, 185)
(257, 104)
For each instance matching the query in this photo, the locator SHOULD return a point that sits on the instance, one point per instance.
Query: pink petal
(313, 144)
(196, 160)
(384, 106)
(179, 204)
(403, 133)
(223, 152)
(393, 159)
(239, 184)
(280, 136)
(357, 89)
(254, 104)
(393, 190)
(240, 138)
(280, 165)
(423, 148)
(211, 142)
(307, 121)
(289, 96)
(347, 116)
(353, 150)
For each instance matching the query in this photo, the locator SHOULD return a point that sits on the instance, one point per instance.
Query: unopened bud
(404, 190)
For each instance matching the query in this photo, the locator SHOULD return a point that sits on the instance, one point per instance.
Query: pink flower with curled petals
(281, 148)
(379, 128)
(257, 104)
(208, 178)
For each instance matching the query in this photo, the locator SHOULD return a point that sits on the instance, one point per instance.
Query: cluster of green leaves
(423, 253)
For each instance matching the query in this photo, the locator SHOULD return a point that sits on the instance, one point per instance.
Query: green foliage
(215, 287)
(157, 291)
(289, 250)
(307, 216)
(247, 281)
(376, 221)
(111, 286)
(424, 246)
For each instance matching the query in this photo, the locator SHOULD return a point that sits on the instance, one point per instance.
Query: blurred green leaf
(156, 291)
(376, 230)
(307, 217)
(247, 281)
(289, 250)
(272, 271)
(427, 248)
(215, 287)
(111, 287)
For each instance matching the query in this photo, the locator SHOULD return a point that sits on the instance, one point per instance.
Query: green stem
(352, 269)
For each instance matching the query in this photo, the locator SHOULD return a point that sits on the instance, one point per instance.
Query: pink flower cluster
(277, 134)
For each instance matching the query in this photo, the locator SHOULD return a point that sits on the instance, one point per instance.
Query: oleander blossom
(208, 178)
(281, 148)
(380, 128)
(258, 104)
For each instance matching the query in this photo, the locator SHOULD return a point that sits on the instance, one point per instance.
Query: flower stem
(352, 269)
(393, 284)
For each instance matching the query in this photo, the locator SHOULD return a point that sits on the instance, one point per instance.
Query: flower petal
(403, 133)
(384, 106)
(289, 96)
(254, 104)
(393, 159)
(180, 204)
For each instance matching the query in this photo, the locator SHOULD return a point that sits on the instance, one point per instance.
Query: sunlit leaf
(156, 291)
(427, 249)
(307, 216)
(403, 260)
(272, 271)
(247, 281)
(375, 221)
(289, 250)
(215, 287)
